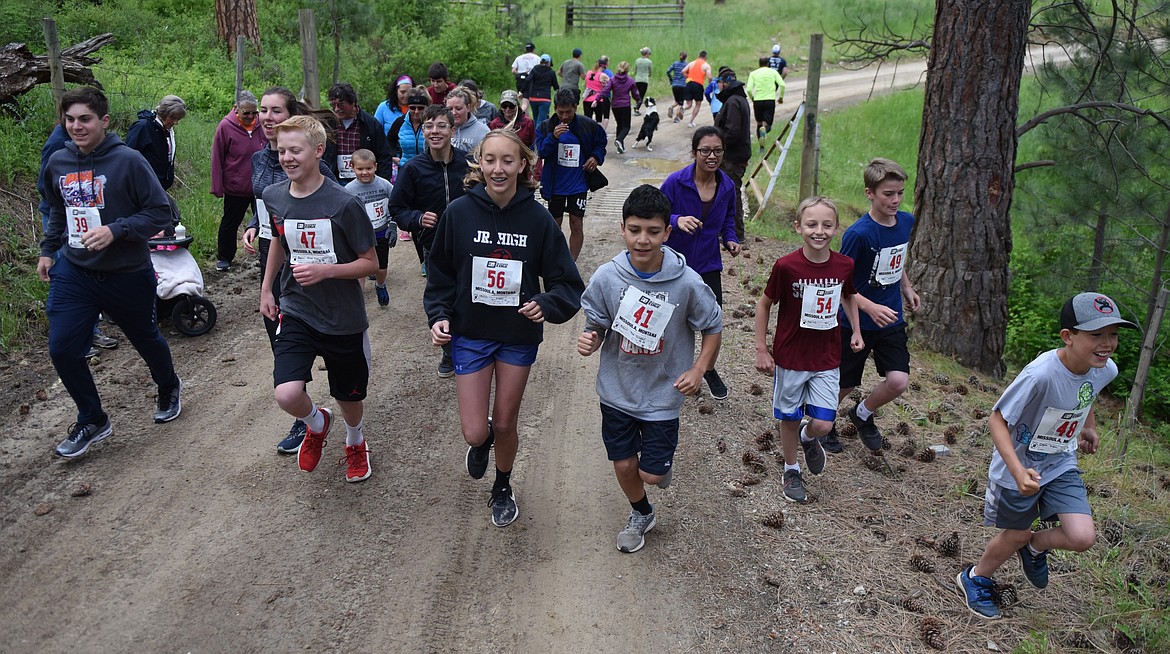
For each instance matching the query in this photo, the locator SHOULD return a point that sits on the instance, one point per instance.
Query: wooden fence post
(312, 84)
(56, 72)
(812, 92)
(568, 18)
(240, 45)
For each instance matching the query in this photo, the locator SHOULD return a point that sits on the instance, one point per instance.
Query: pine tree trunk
(237, 18)
(962, 241)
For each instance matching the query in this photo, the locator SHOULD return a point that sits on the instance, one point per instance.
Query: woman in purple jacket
(623, 87)
(236, 139)
(702, 217)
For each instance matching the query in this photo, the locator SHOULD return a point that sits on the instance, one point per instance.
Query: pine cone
(931, 633)
(754, 463)
(755, 389)
(908, 449)
(914, 605)
(1113, 532)
(923, 541)
(886, 444)
(874, 463)
(721, 446)
(1076, 639)
(1164, 481)
(942, 379)
(951, 434)
(848, 430)
(926, 456)
(706, 409)
(950, 545)
(903, 429)
(855, 395)
(921, 563)
(1004, 595)
(749, 480)
(973, 380)
(915, 386)
(960, 389)
(934, 416)
(979, 413)
(773, 520)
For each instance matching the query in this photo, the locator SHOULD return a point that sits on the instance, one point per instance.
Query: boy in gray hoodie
(642, 310)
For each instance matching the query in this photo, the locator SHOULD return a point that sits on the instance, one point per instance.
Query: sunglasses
(417, 107)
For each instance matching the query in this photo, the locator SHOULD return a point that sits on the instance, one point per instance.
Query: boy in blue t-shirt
(877, 243)
(374, 193)
(1038, 425)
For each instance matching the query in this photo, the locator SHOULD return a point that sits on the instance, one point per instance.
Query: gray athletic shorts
(796, 393)
(1005, 508)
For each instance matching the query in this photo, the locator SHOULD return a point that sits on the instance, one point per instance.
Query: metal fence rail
(586, 17)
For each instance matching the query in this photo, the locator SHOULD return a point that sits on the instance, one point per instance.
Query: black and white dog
(649, 124)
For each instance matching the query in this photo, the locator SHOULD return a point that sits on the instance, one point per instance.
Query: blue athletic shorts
(653, 441)
(1006, 508)
(474, 354)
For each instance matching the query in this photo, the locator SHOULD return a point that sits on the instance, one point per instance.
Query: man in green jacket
(765, 88)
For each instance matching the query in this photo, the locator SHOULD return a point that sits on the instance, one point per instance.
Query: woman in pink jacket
(237, 137)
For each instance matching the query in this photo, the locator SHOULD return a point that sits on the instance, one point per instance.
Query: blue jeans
(539, 110)
(76, 297)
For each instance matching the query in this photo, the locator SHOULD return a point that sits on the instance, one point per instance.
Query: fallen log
(21, 70)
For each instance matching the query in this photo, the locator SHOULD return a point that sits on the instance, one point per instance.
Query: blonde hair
(624, 67)
(463, 94)
(313, 129)
(363, 156)
(879, 170)
(475, 172)
(814, 200)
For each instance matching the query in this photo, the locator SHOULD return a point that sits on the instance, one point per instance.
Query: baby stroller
(180, 284)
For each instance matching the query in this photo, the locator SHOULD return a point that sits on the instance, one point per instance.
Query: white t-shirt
(1045, 407)
(525, 62)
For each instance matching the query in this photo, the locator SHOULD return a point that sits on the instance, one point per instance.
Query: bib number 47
(309, 239)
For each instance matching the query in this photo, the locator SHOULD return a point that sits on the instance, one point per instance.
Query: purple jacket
(231, 156)
(701, 248)
(620, 89)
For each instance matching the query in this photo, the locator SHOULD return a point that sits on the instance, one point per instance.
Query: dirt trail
(198, 537)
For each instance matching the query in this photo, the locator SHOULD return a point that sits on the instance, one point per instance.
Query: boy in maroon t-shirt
(807, 285)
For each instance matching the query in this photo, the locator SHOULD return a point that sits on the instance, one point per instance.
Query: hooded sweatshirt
(735, 120)
(474, 228)
(231, 156)
(148, 137)
(633, 379)
(469, 134)
(701, 249)
(119, 183)
(621, 88)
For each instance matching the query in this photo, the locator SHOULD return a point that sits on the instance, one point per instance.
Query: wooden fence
(595, 17)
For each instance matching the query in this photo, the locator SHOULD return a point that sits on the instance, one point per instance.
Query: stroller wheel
(193, 316)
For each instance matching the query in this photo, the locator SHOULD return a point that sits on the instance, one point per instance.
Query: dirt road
(197, 536)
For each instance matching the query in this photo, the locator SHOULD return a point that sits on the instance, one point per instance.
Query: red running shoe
(310, 453)
(357, 462)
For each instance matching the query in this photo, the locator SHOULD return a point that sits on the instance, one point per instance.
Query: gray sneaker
(794, 487)
(867, 431)
(633, 537)
(169, 404)
(81, 437)
(104, 342)
(814, 455)
(665, 483)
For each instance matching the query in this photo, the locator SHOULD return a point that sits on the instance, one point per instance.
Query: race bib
(379, 213)
(888, 265)
(310, 241)
(569, 155)
(818, 308)
(345, 166)
(80, 220)
(1058, 430)
(642, 318)
(496, 282)
(265, 222)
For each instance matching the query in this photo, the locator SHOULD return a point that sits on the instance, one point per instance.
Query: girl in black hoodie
(493, 248)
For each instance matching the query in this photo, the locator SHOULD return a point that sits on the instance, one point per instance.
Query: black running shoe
(831, 443)
(81, 437)
(477, 455)
(867, 431)
(716, 385)
(504, 510)
(292, 443)
(814, 456)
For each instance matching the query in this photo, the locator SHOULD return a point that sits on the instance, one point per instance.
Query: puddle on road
(659, 165)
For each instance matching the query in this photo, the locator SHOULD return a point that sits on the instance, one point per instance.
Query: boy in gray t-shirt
(374, 194)
(1038, 425)
(642, 310)
(328, 241)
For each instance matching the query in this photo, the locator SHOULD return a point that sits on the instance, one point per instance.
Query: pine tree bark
(237, 18)
(962, 241)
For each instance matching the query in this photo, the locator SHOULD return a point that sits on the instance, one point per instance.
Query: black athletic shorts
(765, 111)
(574, 205)
(889, 348)
(347, 358)
(680, 94)
(652, 441)
(695, 92)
